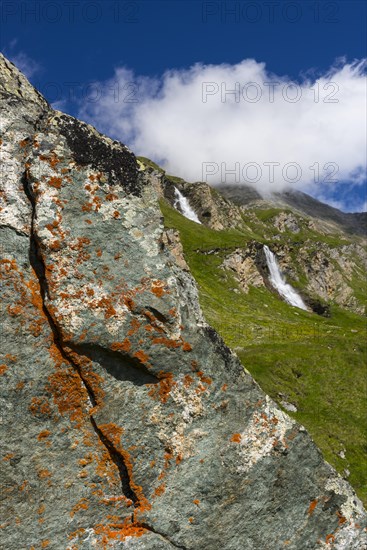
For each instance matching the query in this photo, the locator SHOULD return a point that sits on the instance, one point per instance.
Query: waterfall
(279, 283)
(185, 208)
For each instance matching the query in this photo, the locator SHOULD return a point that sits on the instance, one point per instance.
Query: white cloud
(25, 64)
(28, 66)
(184, 119)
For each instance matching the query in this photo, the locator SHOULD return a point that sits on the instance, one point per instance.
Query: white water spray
(186, 209)
(278, 281)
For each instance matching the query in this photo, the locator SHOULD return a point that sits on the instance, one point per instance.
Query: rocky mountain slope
(311, 362)
(321, 250)
(126, 420)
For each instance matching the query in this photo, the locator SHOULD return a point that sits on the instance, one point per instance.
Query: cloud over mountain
(241, 123)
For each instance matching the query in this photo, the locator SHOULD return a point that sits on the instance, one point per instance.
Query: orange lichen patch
(159, 490)
(41, 509)
(42, 474)
(10, 357)
(188, 380)
(81, 505)
(116, 215)
(191, 520)
(200, 389)
(173, 312)
(224, 387)
(87, 207)
(43, 435)
(56, 355)
(194, 365)
(88, 221)
(117, 256)
(312, 506)
(111, 197)
(76, 533)
(55, 246)
(23, 485)
(68, 394)
(45, 543)
(99, 252)
(40, 405)
(105, 468)
(55, 182)
(86, 460)
(14, 310)
(97, 203)
(3, 369)
(80, 243)
(204, 379)
(23, 143)
(236, 438)
(179, 459)
(152, 464)
(141, 356)
(35, 327)
(341, 518)
(121, 346)
(168, 455)
(166, 383)
(93, 380)
(105, 304)
(167, 342)
(52, 159)
(330, 539)
(196, 502)
(117, 532)
(135, 325)
(158, 288)
(186, 346)
(8, 456)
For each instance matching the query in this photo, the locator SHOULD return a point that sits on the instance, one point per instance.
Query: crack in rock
(37, 264)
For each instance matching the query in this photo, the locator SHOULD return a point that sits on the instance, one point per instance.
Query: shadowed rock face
(126, 421)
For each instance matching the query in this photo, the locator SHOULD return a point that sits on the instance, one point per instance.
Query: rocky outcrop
(328, 271)
(212, 209)
(126, 422)
(244, 265)
(286, 221)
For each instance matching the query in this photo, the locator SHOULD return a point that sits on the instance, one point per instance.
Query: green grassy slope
(316, 363)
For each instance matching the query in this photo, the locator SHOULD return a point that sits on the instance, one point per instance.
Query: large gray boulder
(126, 422)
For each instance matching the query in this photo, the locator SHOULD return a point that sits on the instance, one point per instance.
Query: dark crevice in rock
(38, 266)
(165, 537)
(122, 367)
(119, 462)
(160, 316)
(17, 231)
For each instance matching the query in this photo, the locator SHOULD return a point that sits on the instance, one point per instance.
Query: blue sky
(65, 46)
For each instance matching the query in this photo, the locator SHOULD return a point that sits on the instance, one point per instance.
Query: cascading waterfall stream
(279, 283)
(185, 207)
